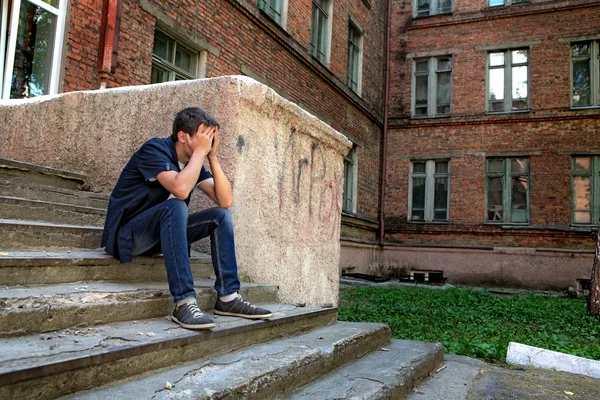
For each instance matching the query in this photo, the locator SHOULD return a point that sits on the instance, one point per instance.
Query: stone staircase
(75, 322)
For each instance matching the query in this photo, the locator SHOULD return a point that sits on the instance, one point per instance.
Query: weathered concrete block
(285, 165)
(522, 354)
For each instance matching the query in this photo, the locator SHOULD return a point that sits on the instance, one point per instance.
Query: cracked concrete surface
(40, 349)
(388, 373)
(249, 372)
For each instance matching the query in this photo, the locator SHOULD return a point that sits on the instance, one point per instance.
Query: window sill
(509, 112)
(279, 24)
(417, 117)
(416, 17)
(429, 222)
(509, 225)
(585, 108)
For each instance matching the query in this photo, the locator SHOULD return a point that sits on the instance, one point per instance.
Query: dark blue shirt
(137, 190)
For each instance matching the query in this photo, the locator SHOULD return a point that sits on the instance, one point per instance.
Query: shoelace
(246, 303)
(195, 310)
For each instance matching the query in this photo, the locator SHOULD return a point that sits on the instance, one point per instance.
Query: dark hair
(189, 119)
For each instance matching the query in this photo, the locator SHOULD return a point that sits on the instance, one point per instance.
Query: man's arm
(218, 188)
(181, 184)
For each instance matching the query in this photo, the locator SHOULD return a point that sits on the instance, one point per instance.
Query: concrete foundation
(531, 268)
(285, 165)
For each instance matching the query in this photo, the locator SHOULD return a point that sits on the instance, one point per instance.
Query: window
(585, 189)
(432, 87)
(354, 73)
(507, 187)
(273, 8)
(429, 190)
(320, 30)
(432, 7)
(494, 3)
(30, 58)
(585, 80)
(350, 182)
(508, 80)
(172, 60)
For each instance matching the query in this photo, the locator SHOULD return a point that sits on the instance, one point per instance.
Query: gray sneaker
(189, 316)
(238, 307)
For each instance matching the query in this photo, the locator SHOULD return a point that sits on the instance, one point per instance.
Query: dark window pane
(159, 75)
(444, 64)
(441, 167)
(581, 83)
(183, 59)
(494, 199)
(422, 66)
(163, 47)
(519, 165)
(519, 193)
(443, 92)
(444, 6)
(419, 167)
(440, 199)
(33, 54)
(421, 91)
(418, 198)
(496, 165)
(423, 7)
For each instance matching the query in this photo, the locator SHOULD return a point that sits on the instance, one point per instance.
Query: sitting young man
(148, 214)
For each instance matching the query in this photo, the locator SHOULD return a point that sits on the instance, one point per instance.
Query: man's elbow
(180, 194)
(225, 203)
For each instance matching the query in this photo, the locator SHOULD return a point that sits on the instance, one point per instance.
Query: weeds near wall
(476, 323)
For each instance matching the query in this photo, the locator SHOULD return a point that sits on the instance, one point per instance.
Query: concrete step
(50, 365)
(30, 235)
(30, 309)
(389, 373)
(37, 210)
(43, 267)
(260, 372)
(17, 171)
(32, 191)
(452, 380)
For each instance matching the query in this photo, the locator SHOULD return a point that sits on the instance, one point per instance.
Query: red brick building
(325, 55)
(494, 110)
(493, 137)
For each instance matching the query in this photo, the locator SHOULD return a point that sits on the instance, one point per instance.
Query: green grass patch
(476, 323)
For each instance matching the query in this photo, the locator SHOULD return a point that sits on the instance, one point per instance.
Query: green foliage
(476, 323)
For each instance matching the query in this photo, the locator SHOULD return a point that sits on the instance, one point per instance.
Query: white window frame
(198, 69)
(507, 3)
(351, 159)
(8, 47)
(429, 176)
(594, 61)
(266, 7)
(508, 81)
(359, 60)
(433, 8)
(313, 49)
(432, 71)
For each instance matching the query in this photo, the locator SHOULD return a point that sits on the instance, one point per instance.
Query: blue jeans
(168, 228)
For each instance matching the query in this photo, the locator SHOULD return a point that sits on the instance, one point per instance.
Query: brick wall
(549, 133)
(247, 38)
